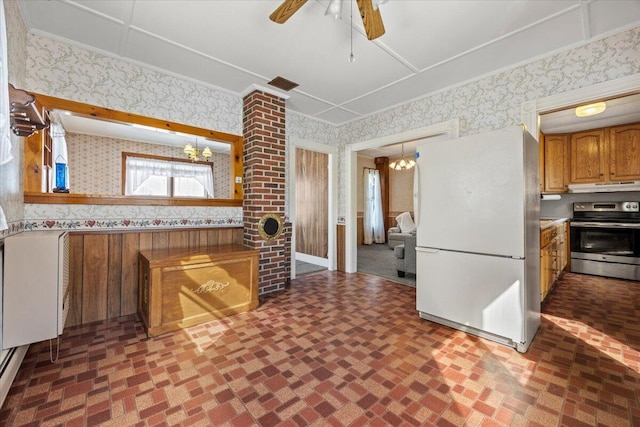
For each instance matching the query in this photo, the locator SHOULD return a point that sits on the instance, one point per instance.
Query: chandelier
(402, 164)
(194, 153)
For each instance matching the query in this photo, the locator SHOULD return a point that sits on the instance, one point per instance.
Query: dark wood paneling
(312, 201)
(129, 278)
(104, 267)
(114, 275)
(95, 267)
(76, 254)
(340, 247)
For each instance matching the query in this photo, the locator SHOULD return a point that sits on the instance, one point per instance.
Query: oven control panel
(606, 207)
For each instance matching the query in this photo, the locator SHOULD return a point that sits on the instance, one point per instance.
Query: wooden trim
(94, 199)
(236, 141)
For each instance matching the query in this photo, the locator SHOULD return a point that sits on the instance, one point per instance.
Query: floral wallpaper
(69, 72)
(489, 103)
(57, 69)
(95, 164)
(11, 173)
(94, 217)
(495, 101)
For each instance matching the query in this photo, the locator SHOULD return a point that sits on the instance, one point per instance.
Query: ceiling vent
(282, 83)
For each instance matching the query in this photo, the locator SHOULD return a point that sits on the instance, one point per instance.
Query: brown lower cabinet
(554, 257)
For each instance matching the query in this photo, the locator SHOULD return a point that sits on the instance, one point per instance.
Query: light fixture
(334, 8)
(591, 109)
(194, 153)
(352, 58)
(402, 164)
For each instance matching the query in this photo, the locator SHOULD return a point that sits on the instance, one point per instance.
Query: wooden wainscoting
(340, 248)
(104, 266)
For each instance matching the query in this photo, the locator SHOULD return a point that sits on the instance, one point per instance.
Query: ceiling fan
(371, 18)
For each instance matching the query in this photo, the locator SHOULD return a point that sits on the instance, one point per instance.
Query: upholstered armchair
(406, 256)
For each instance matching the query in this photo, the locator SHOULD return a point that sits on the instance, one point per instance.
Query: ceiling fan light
(591, 109)
(334, 8)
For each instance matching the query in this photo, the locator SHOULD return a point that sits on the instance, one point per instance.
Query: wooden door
(556, 163)
(624, 153)
(588, 157)
(312, 203)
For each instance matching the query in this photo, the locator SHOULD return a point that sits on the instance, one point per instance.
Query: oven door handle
(605, 225)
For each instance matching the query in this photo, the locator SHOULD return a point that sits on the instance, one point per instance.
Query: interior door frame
(449, 129)
(332, 213)
(530, 110)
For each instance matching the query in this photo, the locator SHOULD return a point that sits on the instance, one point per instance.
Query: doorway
(446, 130)
(312, 206)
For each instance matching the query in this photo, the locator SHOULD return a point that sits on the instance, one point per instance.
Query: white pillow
(405, 222)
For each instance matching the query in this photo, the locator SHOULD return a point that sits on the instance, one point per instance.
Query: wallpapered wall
(52, 69)
(95, 164)
(491, 102)
(11, 173)
(494, 101)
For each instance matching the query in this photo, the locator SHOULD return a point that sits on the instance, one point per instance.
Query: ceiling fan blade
(286, 10)
(371, 19)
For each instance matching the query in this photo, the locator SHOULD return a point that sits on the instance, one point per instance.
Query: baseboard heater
(10, 361)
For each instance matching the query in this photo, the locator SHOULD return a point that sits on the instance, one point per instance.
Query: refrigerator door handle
(416, 194)
(427, 250)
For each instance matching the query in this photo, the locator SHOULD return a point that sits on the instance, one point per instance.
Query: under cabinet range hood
(605, 187)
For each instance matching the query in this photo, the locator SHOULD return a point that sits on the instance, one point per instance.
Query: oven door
(606, 249)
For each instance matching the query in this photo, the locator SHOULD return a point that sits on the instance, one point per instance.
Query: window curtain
(373, 221)
(59, 154)
(139, 169)
(5, 120)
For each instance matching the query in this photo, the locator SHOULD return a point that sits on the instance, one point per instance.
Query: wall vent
(282, 83)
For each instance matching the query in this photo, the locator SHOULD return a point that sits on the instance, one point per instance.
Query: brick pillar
(263, 123)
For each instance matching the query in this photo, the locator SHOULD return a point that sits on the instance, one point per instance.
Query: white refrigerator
(477, 209)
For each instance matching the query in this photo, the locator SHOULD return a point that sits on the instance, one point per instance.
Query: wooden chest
(179, 288)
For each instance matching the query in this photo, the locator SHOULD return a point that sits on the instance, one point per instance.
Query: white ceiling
(232, 44)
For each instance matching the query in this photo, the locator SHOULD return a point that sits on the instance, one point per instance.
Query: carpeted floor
(378, 260)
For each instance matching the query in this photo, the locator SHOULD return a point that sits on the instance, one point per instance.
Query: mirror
(98, 140)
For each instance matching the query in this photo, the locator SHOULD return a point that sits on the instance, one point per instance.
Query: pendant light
(402, 164)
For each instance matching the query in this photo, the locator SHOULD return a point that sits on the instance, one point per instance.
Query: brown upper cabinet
(588, 154)
(588, 157)
(556, 163)
(624, 153)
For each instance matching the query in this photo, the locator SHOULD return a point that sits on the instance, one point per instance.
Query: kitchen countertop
(549, 222)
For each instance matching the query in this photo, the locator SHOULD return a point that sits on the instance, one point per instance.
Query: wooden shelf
(89, 199)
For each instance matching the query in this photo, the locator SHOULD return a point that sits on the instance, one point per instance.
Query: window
(164, 177)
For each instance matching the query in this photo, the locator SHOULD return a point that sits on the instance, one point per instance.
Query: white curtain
(139, 169)
(5, 120)
(59, 153)
(5, 137)
(373, 221)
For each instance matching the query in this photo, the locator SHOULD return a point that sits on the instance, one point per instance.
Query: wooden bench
(179, 287)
